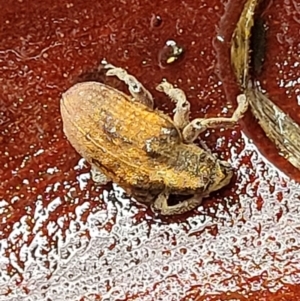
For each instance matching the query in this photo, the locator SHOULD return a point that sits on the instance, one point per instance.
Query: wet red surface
(63, 238)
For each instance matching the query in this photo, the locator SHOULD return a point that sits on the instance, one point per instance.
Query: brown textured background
(63, 238)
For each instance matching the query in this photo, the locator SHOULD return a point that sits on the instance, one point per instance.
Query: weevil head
(221, 176)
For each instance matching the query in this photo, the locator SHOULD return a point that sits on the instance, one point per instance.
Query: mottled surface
(139, 148)
(63, 238)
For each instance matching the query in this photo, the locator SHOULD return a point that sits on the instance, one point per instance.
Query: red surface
(60, 239)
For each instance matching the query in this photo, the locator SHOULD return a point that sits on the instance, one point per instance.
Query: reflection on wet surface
(64, 238)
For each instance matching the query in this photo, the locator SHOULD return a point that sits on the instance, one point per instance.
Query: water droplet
(170, 53)
(156, 21)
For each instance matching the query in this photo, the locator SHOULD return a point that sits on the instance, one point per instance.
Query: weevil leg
(183, 107)
(161, 204)
(198, 125)
(136, 89)
(98, 176)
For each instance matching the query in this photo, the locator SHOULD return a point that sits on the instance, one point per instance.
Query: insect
(143, 150)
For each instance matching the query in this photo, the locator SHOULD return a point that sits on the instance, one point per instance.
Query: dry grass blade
(240, 43)
(279, 127)
(283, 131)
